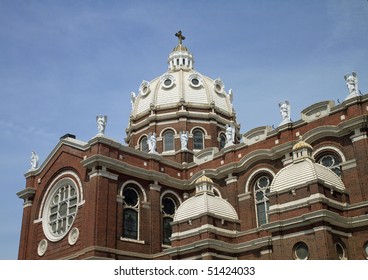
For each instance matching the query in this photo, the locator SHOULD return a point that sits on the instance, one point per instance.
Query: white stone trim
(201, 128)
(205, 227)
(73, 236)
(132, 240)
(135, 183)
(311, 231)
(56, 184)
(103, 173)
(303, 202)
(256, 172)
(348, 164)
(329, 148)
(42, 247)
(77, 182)
(358, 135)
(244, 196)
(168, 192)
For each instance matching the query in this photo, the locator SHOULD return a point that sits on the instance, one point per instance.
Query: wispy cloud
(10, 129)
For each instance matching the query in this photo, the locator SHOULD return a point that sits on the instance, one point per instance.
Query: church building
(188, 184)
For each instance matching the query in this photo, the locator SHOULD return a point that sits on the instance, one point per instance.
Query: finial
(180, 37)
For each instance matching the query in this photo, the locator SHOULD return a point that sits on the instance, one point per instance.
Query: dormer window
(218, 86)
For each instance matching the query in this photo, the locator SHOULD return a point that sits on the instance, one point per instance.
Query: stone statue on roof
(101, 124)
(151, 141)
(352, 84)
(230, 135)
(184, 140)
(34, 161)
(285, 109)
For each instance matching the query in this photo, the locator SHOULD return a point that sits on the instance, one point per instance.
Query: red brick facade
(104, 166)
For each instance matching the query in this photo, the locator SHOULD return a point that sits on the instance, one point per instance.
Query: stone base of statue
(285, 121)
(352, 95)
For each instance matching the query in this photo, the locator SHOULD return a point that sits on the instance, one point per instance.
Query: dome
(204, 179)
(302, 145)
(302, 172)
(205, 204)
(182, 87)
(181, 84)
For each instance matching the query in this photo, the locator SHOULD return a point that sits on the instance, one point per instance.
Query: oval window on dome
(144, 89)
(218, 86)
(195, 82)
(167, 82)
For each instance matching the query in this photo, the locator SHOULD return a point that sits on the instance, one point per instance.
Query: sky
(64, 62)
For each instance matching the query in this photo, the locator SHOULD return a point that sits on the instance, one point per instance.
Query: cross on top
(180, 36)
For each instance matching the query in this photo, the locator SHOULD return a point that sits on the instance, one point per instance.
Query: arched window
(340, 251)
(169, 140)
(198, 139)
(222, 140)
(130, 212)
(330, 160)
(169, 207)
(365, 248)
(261, 189)
(143, 144)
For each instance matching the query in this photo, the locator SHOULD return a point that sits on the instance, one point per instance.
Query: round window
(219, 86)
(60, 209)
(195, 82)
(144, 89)
(301, 251)
(167, 82)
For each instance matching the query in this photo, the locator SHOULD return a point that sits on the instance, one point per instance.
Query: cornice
(70, 142)
(126, 168)
(324, 216)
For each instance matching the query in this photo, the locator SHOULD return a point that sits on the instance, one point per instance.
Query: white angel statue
(151, 141)
(352, 84)
(230, 135)
(184, 140)
(34, 160)
(101, 124)
(285, 109)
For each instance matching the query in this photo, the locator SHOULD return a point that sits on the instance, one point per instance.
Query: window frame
(295, 249)
(143, 144)
(130, 209)
(61, 183)
(222, 140)
(263, 202)
(195, 139)
(167, 216)
(166, 147)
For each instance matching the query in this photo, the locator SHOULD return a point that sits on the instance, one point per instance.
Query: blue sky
(64, 62)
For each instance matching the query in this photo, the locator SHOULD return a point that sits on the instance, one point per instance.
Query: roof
(181, 84)
(205, 204)
(303, 172)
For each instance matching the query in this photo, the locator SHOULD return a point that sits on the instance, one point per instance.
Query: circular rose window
(60, 209)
